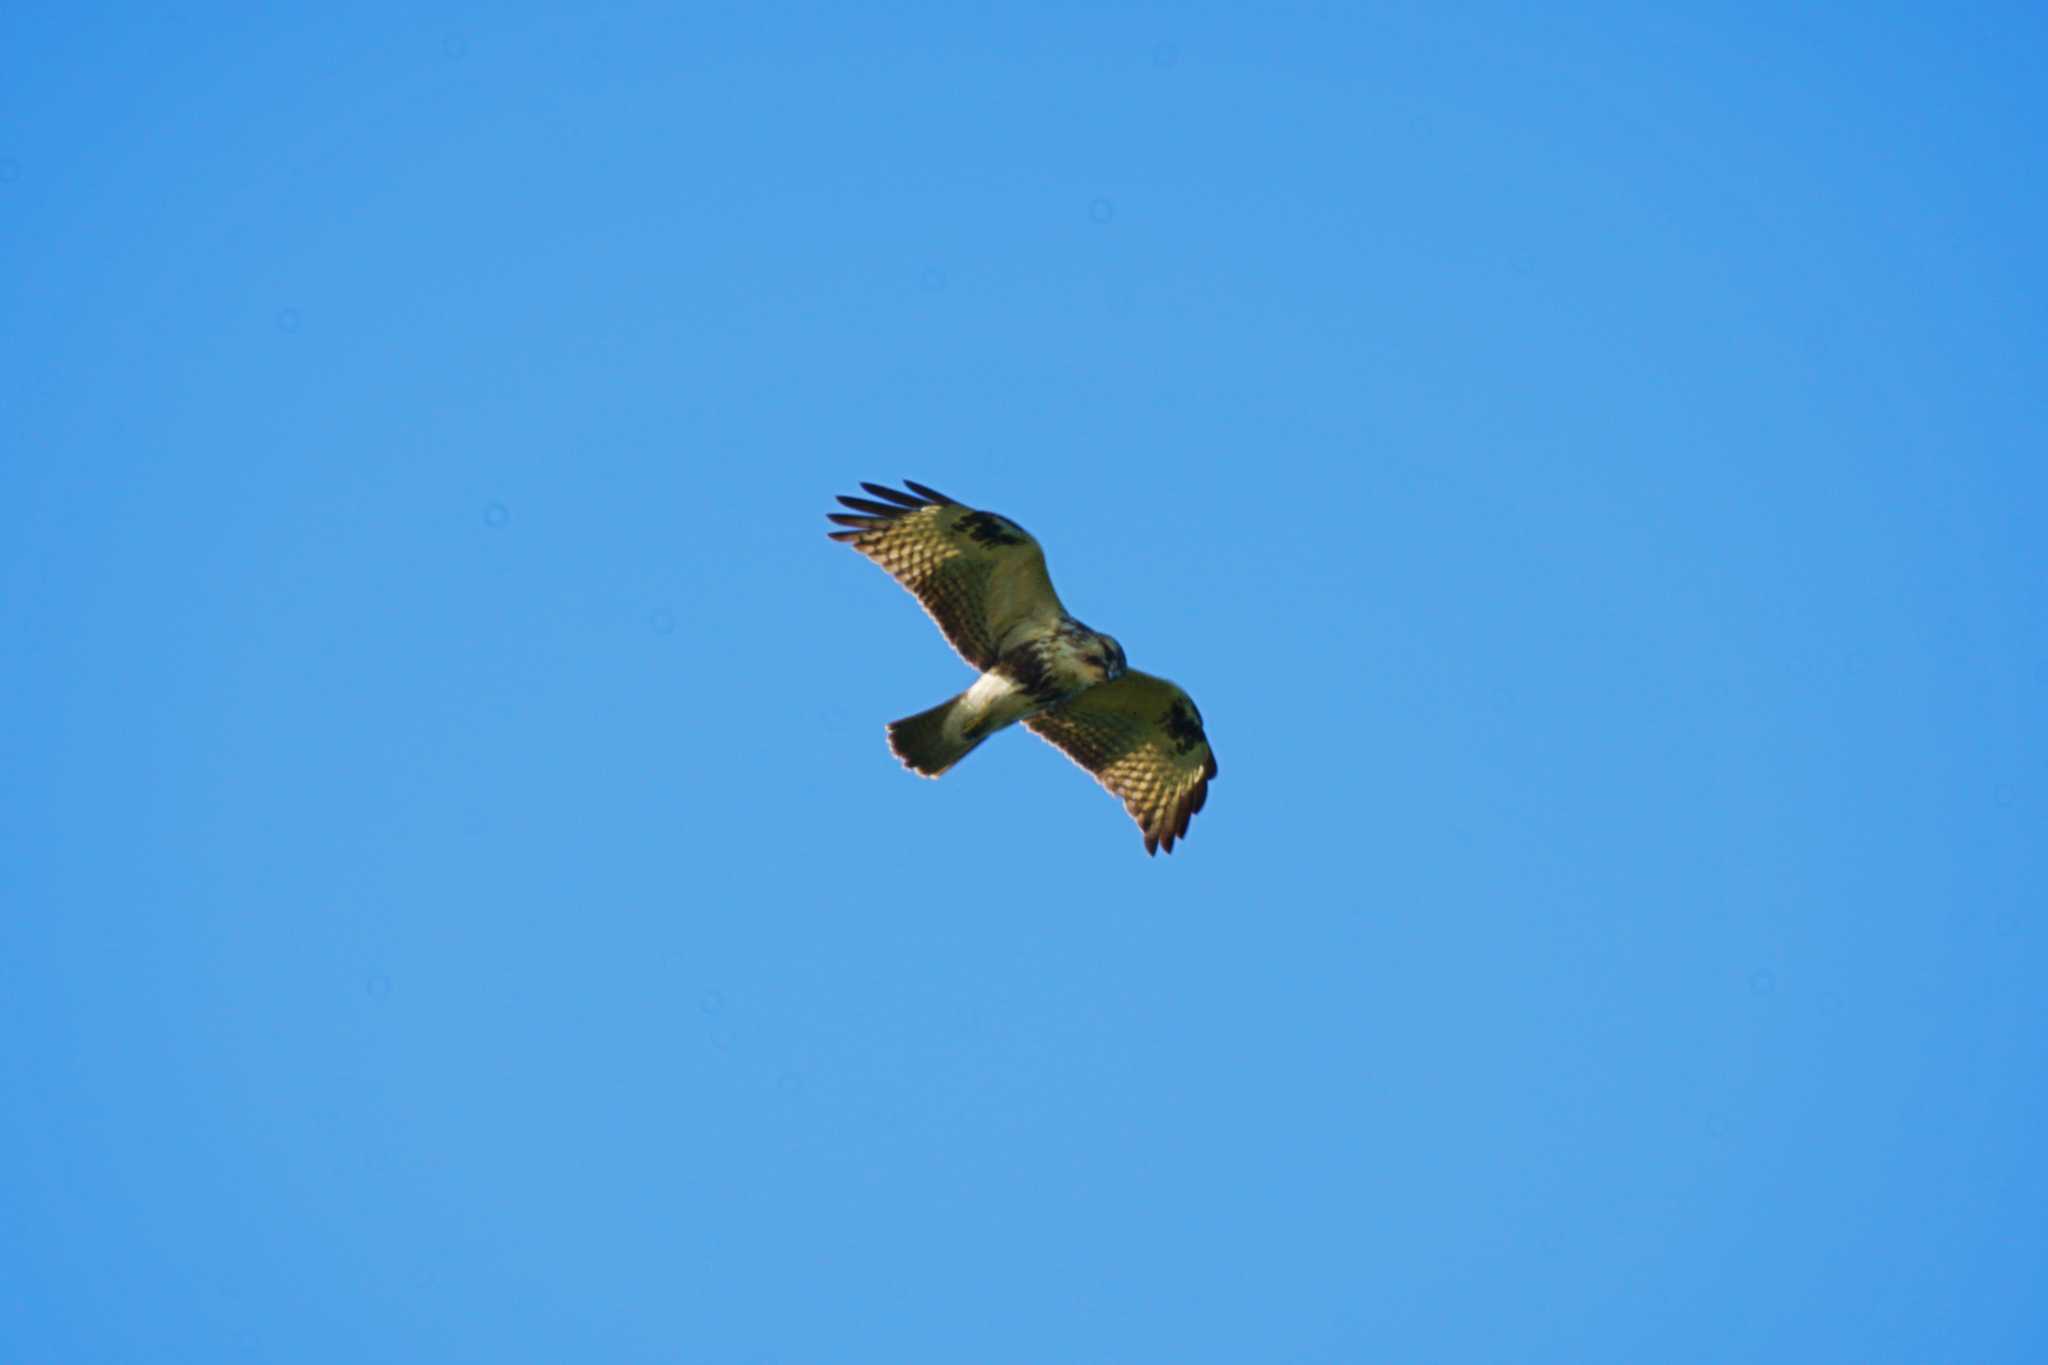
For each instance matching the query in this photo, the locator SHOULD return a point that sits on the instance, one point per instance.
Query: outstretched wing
(1142, 738)
(978, 575)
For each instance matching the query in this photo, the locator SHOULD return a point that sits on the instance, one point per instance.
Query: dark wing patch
(986, 528)
(977, 574)
(1142, 738)
(1183, 725)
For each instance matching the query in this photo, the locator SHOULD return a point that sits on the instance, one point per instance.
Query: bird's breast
(1047, 668)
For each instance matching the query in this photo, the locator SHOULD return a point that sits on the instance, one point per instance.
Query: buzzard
(982, 578)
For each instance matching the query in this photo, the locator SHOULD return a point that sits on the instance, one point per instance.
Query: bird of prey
(982, 578)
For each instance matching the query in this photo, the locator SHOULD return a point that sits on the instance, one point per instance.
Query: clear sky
(456, 903)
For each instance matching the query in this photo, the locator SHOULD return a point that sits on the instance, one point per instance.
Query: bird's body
(982, 578)
(1040, 669)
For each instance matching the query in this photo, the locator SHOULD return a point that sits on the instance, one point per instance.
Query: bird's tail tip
(930, 742)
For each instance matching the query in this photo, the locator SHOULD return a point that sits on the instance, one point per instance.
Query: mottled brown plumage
(1142, 739)
(982, 578)
(978, 575)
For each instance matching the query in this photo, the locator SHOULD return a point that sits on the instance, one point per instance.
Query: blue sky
(1585, 465)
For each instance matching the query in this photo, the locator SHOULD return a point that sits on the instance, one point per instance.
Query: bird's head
(1106, 654)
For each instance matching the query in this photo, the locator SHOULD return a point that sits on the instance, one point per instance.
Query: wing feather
(871, 507)
(1142, 738)
(901, 499)
(978, 575)
(928, 494)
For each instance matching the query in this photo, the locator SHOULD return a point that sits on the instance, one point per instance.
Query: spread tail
(932, 741)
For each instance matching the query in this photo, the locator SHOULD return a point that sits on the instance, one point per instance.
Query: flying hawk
(982, 578)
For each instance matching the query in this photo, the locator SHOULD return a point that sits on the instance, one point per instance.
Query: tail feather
(932, 741)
